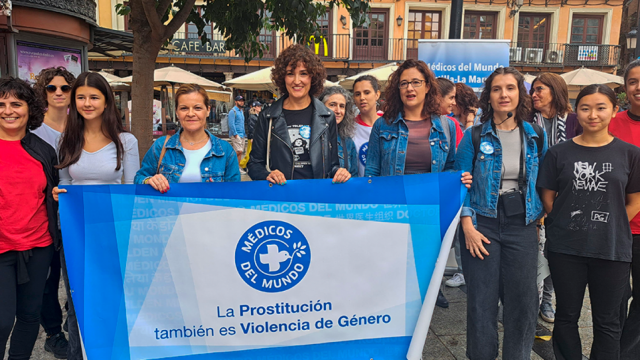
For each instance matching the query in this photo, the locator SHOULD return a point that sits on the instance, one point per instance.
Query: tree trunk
(145, 50)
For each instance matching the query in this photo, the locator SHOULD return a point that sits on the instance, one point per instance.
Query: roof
(110, 43)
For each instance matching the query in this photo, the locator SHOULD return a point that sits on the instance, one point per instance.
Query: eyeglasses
(414, 84)
(53, 88)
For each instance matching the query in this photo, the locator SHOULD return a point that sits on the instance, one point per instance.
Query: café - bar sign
(196, 45)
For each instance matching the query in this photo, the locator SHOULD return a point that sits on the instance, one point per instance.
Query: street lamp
(632, 39)
(399, 20)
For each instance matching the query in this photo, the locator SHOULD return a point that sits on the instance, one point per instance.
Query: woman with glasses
(552, 108)
(53, 85)
(412, 137)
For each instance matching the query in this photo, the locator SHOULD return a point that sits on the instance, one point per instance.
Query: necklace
(193, 143)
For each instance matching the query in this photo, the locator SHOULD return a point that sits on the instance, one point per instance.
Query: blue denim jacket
(220, 164)
(482, 198)
(351, 154)
(388, 146)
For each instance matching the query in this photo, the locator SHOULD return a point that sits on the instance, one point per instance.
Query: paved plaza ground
(447, 335)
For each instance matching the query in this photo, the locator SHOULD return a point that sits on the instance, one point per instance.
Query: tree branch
(163, 5)
(152, 18)
(179, 19)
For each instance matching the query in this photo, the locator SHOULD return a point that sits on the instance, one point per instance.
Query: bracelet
(146, 181)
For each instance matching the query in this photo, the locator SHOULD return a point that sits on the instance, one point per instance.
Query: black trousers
(630, 342)
(51, 314)
(608, 282)
(22, 302)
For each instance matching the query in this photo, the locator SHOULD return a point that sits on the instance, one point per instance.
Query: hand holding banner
(248, 270)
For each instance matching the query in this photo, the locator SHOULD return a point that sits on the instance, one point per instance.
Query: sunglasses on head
(53, 88)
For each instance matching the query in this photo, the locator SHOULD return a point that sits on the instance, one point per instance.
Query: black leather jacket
(46, 155)
(323, 148)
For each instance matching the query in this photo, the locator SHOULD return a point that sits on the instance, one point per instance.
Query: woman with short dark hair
(29, 231)
(296, 137)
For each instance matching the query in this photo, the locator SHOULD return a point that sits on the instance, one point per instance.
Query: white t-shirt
(191, 172)
(50, 135)
(98, 168)
(361, 140)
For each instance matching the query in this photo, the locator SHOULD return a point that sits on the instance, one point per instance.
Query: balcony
(559, 55)
(345, 47)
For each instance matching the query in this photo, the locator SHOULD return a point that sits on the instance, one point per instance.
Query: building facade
(546, 35)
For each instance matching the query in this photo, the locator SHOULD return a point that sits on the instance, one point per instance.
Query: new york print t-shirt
(299, 126)
(589, 217)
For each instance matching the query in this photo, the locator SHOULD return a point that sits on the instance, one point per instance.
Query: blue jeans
(508, 273)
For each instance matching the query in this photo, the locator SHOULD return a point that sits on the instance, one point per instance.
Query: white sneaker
(243, 172)
(456, 281)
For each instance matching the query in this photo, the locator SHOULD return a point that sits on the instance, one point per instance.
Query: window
(533, 30)
(422, 25)
(587, 29)
(324, 46)
(479, 25)
(371, 38)
(191, 30)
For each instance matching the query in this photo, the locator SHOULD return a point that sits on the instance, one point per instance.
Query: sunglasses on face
(53, 88)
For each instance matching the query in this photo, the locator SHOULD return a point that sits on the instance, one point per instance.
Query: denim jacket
(350, 153)
(220, 164)
(388, 147)
(482, 198)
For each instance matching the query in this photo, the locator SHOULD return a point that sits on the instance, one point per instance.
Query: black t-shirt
(299, 125)
(589, 217)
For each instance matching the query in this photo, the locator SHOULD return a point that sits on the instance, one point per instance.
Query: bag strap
(164, 150)
(476, 131)
(540, 140)
(444, 120)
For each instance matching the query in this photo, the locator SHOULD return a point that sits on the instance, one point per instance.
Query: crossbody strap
(269, 144)
(164, 150)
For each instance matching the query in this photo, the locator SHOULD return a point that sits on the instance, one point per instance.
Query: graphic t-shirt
(589, 217)
(361, 140)
(626, 127)
(299, 126)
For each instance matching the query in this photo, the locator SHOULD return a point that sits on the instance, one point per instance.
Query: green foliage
(240, 22)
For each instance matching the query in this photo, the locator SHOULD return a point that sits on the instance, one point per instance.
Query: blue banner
(464, 61)
(308, 270)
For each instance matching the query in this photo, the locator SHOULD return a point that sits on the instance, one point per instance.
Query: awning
(110, 43)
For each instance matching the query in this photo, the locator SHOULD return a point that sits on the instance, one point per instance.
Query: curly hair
(20, 89)
(46, 75)
(393, 104)
(466, 100)
(559, 92)
(347, 126)
(293, 55)
(523, 110)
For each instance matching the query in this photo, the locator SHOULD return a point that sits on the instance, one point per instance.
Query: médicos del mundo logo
(272, 256)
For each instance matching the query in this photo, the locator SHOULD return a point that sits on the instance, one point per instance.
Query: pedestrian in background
(29, 232)
(296, 137)
(256, 108)
(193, 154)
(466, 105)
(53, 85)
(448, 103)
(499, 219)
(236, 127)
(590, 188)
(366, 93)
(338, 100)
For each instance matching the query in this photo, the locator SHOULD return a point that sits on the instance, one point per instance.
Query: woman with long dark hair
(499, 219)
(466, 105)
(95, 149)
(338, 100)
(590, 189)
(296, 137)
(448, 93)
(412, 137)
(366, 92)
(29, 231)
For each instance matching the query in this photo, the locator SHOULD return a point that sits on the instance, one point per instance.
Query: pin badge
(486, 148)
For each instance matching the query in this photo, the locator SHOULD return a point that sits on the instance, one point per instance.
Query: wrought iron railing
(344, 47)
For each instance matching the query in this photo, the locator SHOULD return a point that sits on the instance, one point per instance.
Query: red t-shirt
(626, 129)
(459, 133)
(23, 213)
